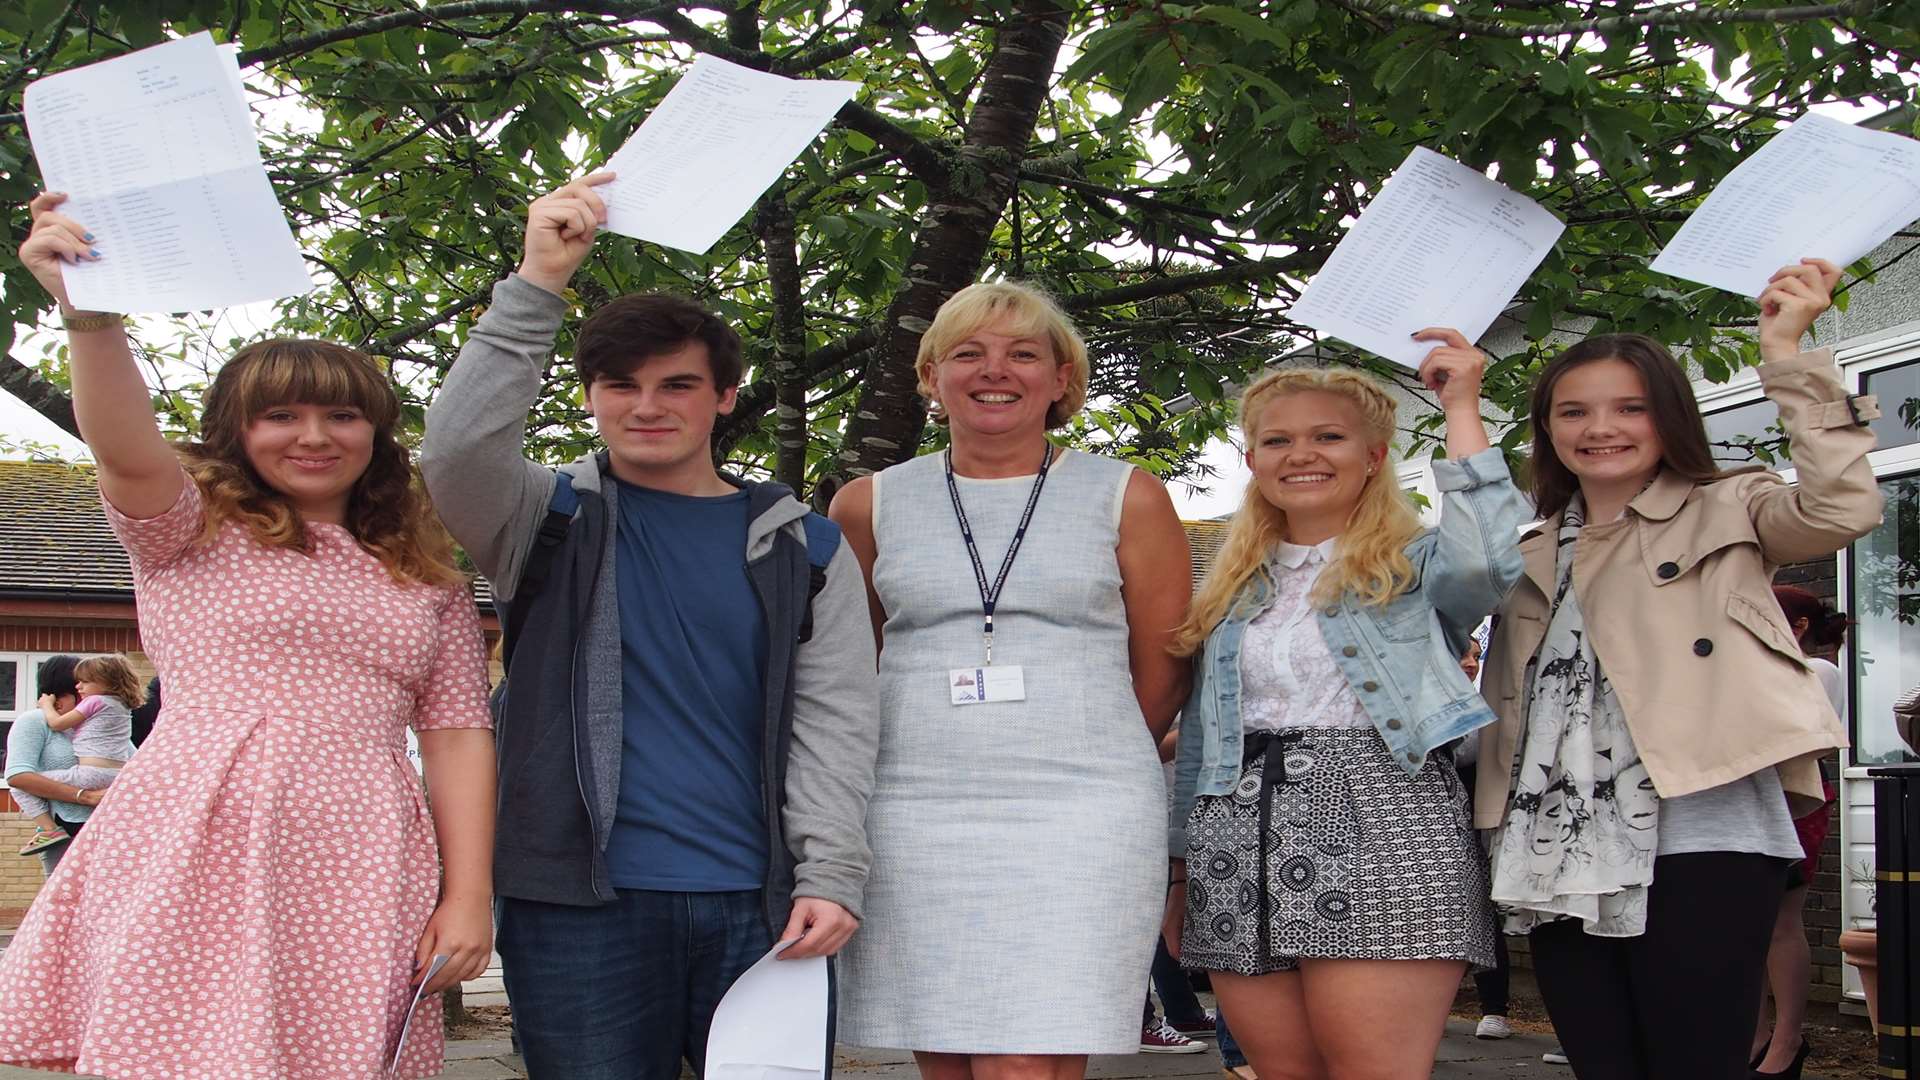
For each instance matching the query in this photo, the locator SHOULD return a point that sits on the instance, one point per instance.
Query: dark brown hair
(618, 338)
(1826, 628)
(1676, 417)
(386, 510)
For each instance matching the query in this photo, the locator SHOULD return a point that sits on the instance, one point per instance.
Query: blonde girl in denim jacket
(1323, 866)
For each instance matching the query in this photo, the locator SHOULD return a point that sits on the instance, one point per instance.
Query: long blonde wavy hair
(1369, 561)
(387, 511)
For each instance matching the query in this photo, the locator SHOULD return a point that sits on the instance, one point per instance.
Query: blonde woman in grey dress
(1018, 847)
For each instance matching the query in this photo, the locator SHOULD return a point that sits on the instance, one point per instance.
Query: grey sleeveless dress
(1019, 854)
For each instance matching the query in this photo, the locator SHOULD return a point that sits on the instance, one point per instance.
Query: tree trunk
(955, 229)
(775, 226)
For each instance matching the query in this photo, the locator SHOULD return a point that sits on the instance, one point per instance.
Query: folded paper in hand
(406, 1026)
(772, 1024)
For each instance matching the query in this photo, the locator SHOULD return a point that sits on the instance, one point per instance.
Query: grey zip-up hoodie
(560, 720)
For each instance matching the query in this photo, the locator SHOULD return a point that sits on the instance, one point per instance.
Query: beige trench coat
(1681, 611)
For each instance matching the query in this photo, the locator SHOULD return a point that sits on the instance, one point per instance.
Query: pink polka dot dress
(246, 903)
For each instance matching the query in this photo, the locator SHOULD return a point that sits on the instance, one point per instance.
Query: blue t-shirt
(693, 644)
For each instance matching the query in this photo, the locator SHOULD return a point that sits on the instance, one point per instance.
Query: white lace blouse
(1288, 678)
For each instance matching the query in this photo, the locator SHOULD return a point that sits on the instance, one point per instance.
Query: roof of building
(54, 538)
(53, 535)
(1206, 538)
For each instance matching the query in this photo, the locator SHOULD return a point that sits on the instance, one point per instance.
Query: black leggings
(1678, 1002)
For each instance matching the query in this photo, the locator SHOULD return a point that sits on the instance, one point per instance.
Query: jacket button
(1369, 686)
(1331, 612)
(1667, 570)
(1702, 647)
(1349, 651)
(1394, 725)
(1415, 758)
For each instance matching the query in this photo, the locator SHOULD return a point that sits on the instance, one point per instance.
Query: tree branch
(458, 9)
(924, 159)
(1183, 283)
(39, 395)
(422, 327)
(1675, 15)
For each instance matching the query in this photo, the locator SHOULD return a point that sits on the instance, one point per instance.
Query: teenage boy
(688, 727)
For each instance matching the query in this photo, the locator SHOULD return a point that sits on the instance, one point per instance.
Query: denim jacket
(1400, 658)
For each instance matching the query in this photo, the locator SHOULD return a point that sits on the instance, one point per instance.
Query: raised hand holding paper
(1819, 189)
(721, 138)
(1441, 245)
(158, 154)
(772, 1023)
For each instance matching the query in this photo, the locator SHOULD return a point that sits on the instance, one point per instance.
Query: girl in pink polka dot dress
(265, 881)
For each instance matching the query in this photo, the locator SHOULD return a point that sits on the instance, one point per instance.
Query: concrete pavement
(1461, 1056)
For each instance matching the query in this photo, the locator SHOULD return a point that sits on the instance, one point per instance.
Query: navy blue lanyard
(990, 597)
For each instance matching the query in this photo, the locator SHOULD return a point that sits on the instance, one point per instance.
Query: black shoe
(1792, 1072)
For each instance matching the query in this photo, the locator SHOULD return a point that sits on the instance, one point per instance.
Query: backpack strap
(823, 541)
(539, 562)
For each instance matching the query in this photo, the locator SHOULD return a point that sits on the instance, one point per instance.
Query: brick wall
(19, 877)
(68, 637)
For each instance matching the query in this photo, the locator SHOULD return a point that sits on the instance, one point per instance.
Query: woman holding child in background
(100, 729)
(264, 884)
(1324, 870)
(1653, 703)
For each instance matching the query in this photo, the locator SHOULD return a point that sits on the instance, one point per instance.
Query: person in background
(1182, 1021)
(100, 730)
(1655, 714)
(1490, 984)
(1781, 1048)
(33, 748)
(145, 713)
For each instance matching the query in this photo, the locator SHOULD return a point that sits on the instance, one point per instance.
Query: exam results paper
(157, 153)
(720, 138)
(1440, 245)
(1819, 189)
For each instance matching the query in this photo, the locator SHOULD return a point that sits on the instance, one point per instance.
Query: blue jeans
(1230, 1055)
(624, 991)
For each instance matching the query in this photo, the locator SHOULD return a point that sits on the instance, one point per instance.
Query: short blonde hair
(1015, 308)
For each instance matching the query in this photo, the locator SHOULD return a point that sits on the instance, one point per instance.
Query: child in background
(101, 728)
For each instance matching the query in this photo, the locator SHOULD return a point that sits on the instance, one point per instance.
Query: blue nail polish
(95, 252)
(88, 237)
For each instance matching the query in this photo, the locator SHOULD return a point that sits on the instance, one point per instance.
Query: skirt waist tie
(1270, 749)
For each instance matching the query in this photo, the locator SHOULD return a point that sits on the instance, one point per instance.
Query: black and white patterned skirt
(1360, 860)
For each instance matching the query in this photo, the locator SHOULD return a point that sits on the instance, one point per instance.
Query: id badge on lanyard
(983, 683)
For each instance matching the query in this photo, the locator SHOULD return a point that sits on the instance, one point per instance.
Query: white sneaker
(1160, 1038)
(1555, 1056)
(1493, 1026)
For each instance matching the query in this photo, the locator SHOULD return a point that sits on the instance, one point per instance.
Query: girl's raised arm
(139, 474)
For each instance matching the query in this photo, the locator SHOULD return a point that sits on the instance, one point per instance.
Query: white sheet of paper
(1820, 189)
(1441, 245)
(406, 1026)
(772, 1023)
(157, 153)
(720, 138)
